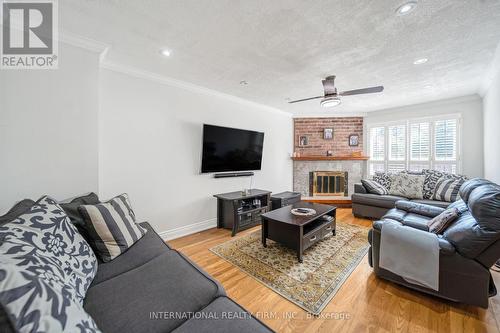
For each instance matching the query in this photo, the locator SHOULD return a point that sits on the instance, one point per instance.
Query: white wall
(48, 129)
(469, 107)
(150, 146)
(491, 107)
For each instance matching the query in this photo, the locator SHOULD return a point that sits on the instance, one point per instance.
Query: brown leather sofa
(468, 247)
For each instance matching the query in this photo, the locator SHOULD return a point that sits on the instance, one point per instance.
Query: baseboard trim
(188, 229)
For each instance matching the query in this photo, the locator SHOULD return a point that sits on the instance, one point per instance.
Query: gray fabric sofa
(153, 288)
(468, 247)
(374, 206)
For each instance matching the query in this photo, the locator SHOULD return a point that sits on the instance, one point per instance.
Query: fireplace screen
(333, 183)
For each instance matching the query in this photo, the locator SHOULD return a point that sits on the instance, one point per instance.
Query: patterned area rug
(311, 284)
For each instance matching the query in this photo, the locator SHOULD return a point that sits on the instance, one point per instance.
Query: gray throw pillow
(374, 187)
(71, 209)
(439, 224)
(112, 227)
(447, 190)
(16, 210)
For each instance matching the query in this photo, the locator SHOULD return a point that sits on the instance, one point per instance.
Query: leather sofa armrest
(377, 225)
(419, 208)
(359, 188)
(445, 247)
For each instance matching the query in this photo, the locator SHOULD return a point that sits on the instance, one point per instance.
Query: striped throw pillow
(447, 189)
(374, 187)
(111, 227)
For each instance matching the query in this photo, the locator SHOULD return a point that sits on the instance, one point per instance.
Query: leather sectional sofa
(468, 247)
(374, 206)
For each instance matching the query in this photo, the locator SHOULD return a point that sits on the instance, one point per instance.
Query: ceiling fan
(332, 97)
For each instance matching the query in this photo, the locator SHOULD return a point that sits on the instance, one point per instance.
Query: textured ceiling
(283, 48)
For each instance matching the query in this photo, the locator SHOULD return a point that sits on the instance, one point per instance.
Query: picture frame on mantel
(303, 140)
(353, 140)
(328, 134)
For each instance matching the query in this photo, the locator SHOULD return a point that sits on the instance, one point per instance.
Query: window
(377, 150)
(414, 145)
(397, 148)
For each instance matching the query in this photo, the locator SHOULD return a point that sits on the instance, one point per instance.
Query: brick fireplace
(327, 167)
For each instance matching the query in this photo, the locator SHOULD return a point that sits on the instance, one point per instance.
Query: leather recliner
(468, 247)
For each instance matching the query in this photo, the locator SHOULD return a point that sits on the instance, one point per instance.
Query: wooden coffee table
(298, 232)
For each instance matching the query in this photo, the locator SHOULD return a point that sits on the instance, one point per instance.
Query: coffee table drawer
(312, 238)
(327, 229)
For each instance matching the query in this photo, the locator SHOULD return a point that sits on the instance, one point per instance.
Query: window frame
(408, 122)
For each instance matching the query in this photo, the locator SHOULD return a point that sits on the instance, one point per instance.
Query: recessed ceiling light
(406, 8)
(330, 102)
(165, 52)
(420, 61)
(243, 83)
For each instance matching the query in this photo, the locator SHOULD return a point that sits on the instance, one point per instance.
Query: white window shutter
(445, 140)
(397, 143)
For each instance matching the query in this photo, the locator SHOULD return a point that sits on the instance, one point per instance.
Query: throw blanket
(410, 253)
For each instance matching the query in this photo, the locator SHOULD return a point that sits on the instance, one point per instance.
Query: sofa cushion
(418, 208)
(439, 223)
(479, 227)
(385, 201)
(435, 203)
(447, 189)
(431, 179)
(484, 205)
(46, 268)
(407, 185)
(111, 226)
(374, 187)
(384, 179)
(71, 209)
(144, 250)
(16, 210)
(167, 283)
(470, 185)
(407, 218)
(222, 316)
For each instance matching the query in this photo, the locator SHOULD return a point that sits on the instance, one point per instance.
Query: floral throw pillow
(407, 185)
(46, 268)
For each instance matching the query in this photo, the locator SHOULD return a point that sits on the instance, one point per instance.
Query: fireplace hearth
(328, 183)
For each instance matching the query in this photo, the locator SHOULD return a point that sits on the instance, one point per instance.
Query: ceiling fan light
(330, 102)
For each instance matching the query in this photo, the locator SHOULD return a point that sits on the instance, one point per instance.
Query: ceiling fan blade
(362, 91)
(329, 85)
(305, 99)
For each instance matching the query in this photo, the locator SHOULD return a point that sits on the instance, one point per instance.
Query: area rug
(311, 284)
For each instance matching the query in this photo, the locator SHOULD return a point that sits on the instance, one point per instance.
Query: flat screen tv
(231, 149)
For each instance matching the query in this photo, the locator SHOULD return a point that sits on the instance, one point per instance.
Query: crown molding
(139, 73)
(491, 73)
(83, 42)
(433, 103)
(341, 114)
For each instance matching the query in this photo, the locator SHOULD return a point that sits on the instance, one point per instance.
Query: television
(230, 149)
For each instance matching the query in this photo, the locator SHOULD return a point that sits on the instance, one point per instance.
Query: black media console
(238, 211)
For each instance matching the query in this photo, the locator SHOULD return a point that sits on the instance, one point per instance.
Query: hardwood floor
(364, 303)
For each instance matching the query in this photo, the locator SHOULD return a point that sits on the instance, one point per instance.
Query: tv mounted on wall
(230, 149)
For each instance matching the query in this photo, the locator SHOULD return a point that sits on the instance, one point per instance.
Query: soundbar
(233, 174)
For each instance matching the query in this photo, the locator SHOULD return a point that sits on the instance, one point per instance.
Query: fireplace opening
(328, 183)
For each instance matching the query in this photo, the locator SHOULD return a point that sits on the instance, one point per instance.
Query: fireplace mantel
(331, 158)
